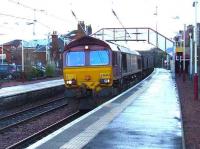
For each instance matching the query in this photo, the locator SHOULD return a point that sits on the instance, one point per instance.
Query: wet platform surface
(19, 89)
(146, 116)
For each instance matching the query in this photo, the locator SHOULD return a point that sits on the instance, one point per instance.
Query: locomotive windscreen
(90, 57)
(75, 58)
(99, 57)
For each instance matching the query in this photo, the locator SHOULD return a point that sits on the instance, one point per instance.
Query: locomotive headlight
(71, 82)
(67, 82)
(105, 78)
(104, 81)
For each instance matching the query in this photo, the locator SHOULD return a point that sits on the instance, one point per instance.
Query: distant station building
(179, 39)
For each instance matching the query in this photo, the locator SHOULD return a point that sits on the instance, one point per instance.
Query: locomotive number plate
(104, 75)
(70, 76)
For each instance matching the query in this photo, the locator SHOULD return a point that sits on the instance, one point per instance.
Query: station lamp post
(23, 73)
(47, 49)
(156, 14)
(191, 54)
(184, 52)
(2, 54)
(195, 53)
(22, 44)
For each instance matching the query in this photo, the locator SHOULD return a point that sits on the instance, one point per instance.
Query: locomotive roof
(86, 39)
(94, 41)
(117, 47)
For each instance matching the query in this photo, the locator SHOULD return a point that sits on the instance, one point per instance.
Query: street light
(156, 14)
(47, 49)
(22, 44)
(191, 49)
(184, 52)
(195, 54)
(2, 54)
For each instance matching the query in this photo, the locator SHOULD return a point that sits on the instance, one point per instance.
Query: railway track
(35, 120)
(23, 116)
(48, 130)
(40, 134)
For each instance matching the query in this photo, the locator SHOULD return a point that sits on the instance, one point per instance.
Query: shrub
(33, 73)
(50, 70)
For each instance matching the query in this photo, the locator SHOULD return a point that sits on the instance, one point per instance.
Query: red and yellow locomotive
(94, 66)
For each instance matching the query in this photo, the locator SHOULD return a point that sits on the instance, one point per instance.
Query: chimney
(55, 48)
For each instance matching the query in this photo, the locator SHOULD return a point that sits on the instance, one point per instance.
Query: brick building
(44, 50)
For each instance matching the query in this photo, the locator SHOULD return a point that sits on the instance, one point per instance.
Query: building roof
(41, 47)
(40, 44)
(36, 43)
(16, 43)
(28, 44)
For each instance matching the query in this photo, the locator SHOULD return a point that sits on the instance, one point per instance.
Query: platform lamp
(191, 54)
(195, 54)
(23, 74)
(47, 49)
(2, 54)
(22, 55)
(156, 14)
(184, 77)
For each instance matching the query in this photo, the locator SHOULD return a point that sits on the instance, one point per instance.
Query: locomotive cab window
(99, 57)
(75, 58)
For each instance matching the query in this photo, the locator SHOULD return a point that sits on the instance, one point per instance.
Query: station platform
(24, 88)
(147, 116)
(22, 93)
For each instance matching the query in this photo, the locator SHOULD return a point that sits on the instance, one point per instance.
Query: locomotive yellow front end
(84, 79)
(86, 69)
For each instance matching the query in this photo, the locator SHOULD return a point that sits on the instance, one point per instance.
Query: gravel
(22, 131)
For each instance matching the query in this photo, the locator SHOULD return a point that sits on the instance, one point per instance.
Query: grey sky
(56, 15)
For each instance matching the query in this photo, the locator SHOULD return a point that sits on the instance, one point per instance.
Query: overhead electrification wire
(37, 10)
(34, 21)
(18, 3)
(9, 15)
(22, 18)
(78, 22)
(114, 13)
